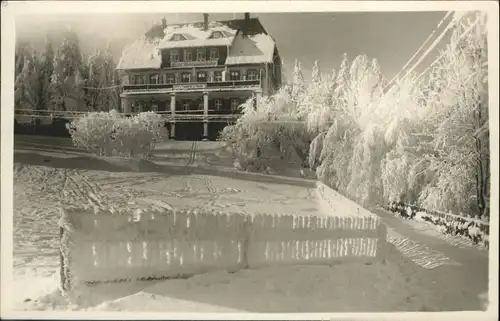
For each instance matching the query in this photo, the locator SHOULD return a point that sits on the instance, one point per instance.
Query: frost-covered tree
(316, 73)
(459, 123)
(298, 83)
(27, 84)
(46, 69)
(22, 51)
(99, 93)
(315, 106)
(440, 129)
(67, 73)
(352, 142)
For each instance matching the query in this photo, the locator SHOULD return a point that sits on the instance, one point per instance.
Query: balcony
(196, 63)
(194, 85)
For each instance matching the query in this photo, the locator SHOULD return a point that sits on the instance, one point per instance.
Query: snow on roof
(256, 47)
(141, 54)
(197, 36)
(252, 49)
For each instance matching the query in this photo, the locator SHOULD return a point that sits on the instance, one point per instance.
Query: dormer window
(216, 35)
(177, 37)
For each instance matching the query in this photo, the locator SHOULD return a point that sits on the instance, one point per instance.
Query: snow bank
(338, 288)
(158, 242)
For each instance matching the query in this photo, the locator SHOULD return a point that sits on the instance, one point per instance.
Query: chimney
(205, 21)
(164, 23)
(246, 23)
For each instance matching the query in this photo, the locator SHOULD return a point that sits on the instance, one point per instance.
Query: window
(174, 56)
(186, 77)
(153, 79)
(218, 75)
(252, 74)
(217, 35)
(177, 37)
(235, 103)
(218, 104)
(170, 78)
(139, 80)
(185, 106)
(214, 54)
(188, 55)
(234, 75)
(200, 54)
(202, 76)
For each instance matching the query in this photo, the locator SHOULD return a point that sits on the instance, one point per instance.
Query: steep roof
(141, 54)
(251, 49)
(248, 41)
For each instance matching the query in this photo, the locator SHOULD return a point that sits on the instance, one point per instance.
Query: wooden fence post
(247, 231)
(65, 273)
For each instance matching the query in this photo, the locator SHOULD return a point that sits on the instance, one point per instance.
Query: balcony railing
(194, 85)
(195, 63)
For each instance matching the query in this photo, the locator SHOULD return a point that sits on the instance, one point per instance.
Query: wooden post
(172, 113)
(205, 116)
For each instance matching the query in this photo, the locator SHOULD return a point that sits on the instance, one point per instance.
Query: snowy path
(458, 275)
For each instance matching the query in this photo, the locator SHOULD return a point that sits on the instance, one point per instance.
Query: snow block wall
(111, 247)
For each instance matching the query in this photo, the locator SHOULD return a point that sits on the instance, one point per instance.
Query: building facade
(198, 74)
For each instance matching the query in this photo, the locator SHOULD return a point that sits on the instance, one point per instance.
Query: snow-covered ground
(339, 288)
(202, 177)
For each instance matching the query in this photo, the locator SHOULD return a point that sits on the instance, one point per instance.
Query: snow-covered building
(204, 68)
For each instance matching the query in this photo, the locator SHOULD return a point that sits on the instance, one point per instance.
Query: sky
(390, 37)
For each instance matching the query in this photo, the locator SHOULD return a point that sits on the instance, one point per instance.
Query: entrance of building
(189, 130)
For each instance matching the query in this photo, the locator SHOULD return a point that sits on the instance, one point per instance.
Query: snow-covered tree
(99, 93)
(316, 73)
(298, 83)
(46, 70)
(460, 123)
(27, 85)
(67, 73)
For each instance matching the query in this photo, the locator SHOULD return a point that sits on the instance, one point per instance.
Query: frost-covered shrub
(110, 134)
(270, 128)
(93, 131)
